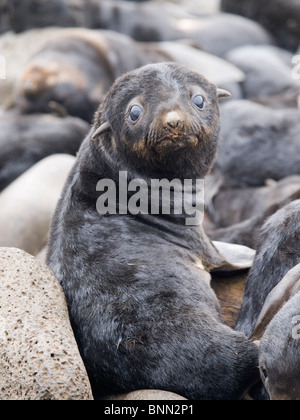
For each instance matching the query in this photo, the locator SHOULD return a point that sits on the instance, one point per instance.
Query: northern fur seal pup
(278, 252)
(137, 286)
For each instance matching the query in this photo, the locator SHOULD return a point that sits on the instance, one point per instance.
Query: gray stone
(280, 17)
(27, 205)
(146, 395)
(39, 358)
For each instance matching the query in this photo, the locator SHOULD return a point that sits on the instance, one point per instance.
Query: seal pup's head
(161, 119)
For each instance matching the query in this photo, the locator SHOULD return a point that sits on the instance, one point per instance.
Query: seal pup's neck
(94, 165)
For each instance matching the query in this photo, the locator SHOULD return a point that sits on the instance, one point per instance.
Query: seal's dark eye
(198, 100)
(135, 112)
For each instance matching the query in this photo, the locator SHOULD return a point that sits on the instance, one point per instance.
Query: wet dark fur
(247, 232)
(86, 63)
(279, 353)
(27, 14)
(257, 142)
(143, 314)
(278, 252)
(26, 139)
(80, 70)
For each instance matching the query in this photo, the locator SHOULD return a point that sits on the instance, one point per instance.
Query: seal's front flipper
(236, 257)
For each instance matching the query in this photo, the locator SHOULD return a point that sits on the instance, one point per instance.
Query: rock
(77, 82)
(39, 358)
(236, 257)
(42, 255)
(221, 32)
(27, 205)
(214, 68)
(147, 395)
(268, 70)
(280, 17)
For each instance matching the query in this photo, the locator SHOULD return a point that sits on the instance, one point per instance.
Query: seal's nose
(172, 119)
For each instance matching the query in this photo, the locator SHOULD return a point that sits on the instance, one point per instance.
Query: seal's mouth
(172, 137)
(177, 139)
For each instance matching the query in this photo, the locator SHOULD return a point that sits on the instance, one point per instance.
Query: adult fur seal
(137, 286)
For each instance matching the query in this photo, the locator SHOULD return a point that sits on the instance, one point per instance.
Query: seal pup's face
(162, 117)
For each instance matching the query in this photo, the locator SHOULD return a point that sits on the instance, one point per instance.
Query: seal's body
(27, 139)
(251, 150)
(137, 286)
(279, 353)
(278, 252)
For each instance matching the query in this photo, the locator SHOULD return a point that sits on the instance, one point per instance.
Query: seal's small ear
(221, 93)
(104, 128)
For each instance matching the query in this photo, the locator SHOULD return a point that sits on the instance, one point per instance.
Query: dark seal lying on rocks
(71, 73)
(137, 286)
(258, 143)
(27, 139)
(279, 347)
(27, 14)
(278, 252)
